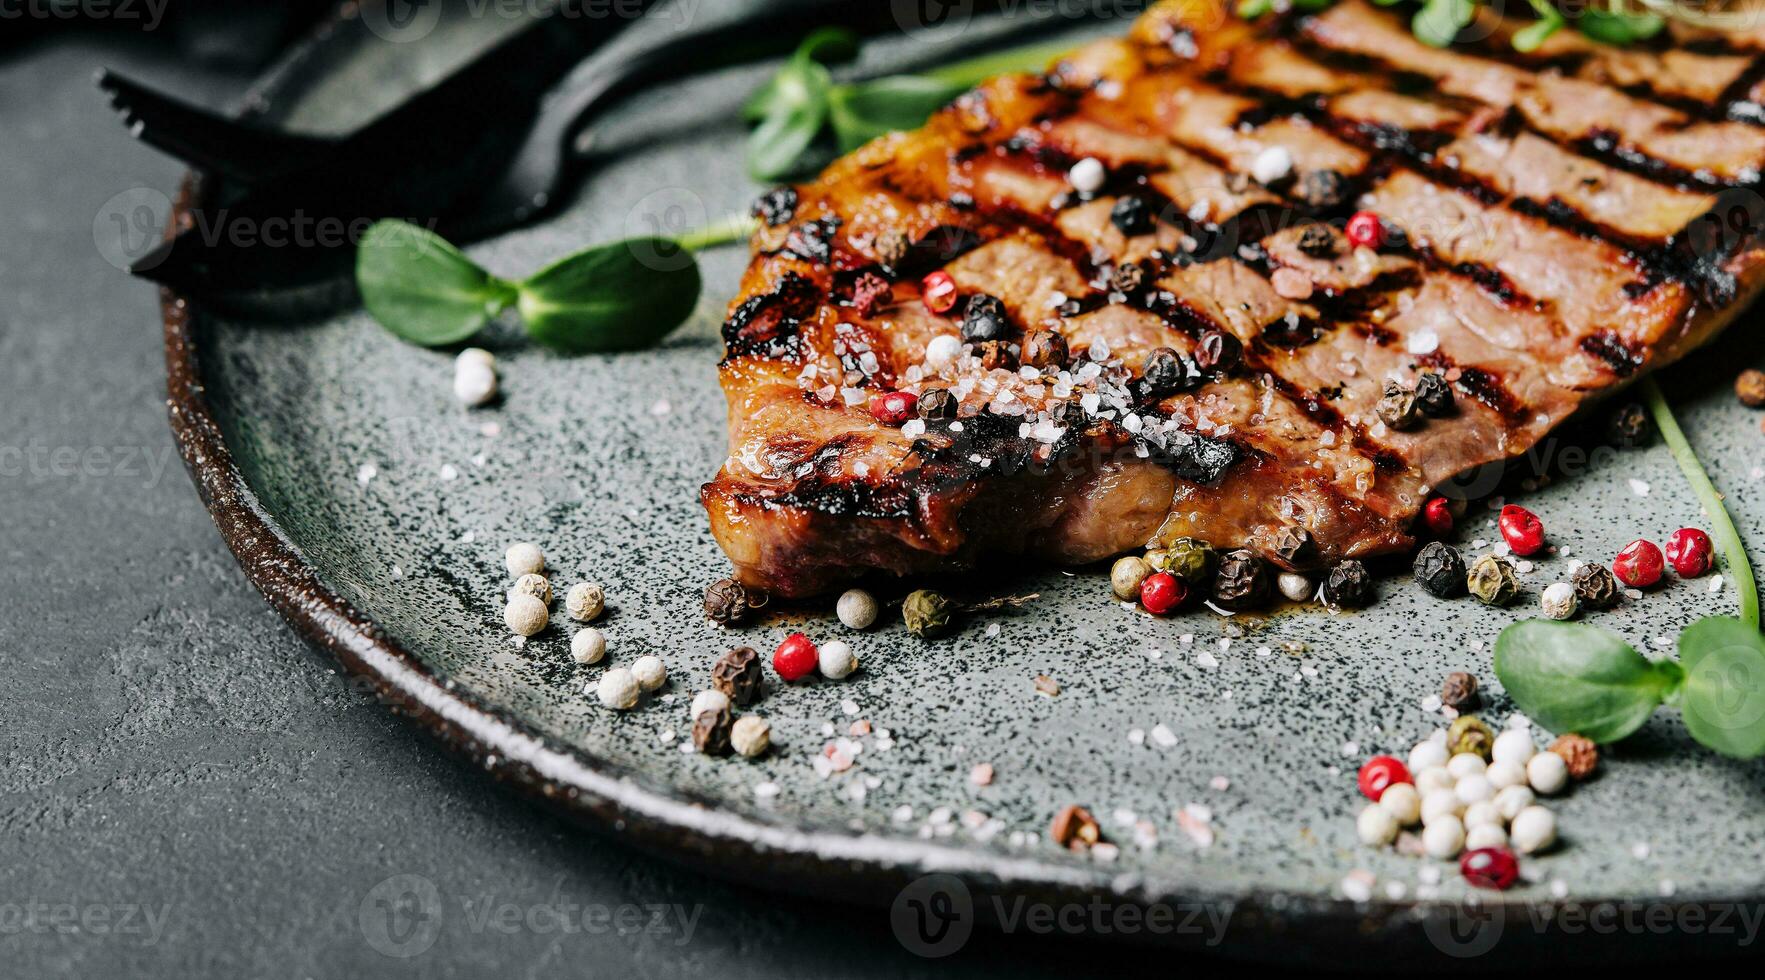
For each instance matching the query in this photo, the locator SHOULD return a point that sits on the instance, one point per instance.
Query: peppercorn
(1438, 516)
(1579, 752)
(1749, 387)
(1689, 551)
(1128, 278)
(1322, 189)
(1294, 546)
(894, 408)
(618, 689)
(1074, 828)
(927, 614)
(795, 658)
(750, 735)
(1191, 560)
(892, 248)
(938, 292)
(524, 558)
(1045, 349)
(727, 603)
(1126, 575)
(1629, 426)
(1218, 351)
(1594, 586)
(1131, 215)
(1398, 408)
(1161, 593)
(995, 355)
(588, 646)
(525, 615)
(738, 675)
(1640, 564)
(776, 206)
(1492, 580)
(1521, 529)
(836, 660)
(536, 586)
(1468, 734)
(1460, 691)
(585, 601)
(937, 404)
(1365, 230)
(1294, 586)
(1440, 569)
(1558, 600)
(650, 671)
(984, 318)
(1242, 581)
(1348, 586)
(1434, 396)
(856, 609)
(1490, 867)
(1166, 371)
(711, 732)
(1317, 241)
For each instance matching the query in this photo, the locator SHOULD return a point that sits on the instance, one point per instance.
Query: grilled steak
(1553, 225)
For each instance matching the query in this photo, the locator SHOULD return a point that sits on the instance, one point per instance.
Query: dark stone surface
(186, 788)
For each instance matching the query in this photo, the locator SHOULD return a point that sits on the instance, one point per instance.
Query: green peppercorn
(927, 614)
(1440, 569)
(1492, 580)
(1243, 580)
(1191, 560)
(1348, 586)
(1126, 575)
(1469, 734)
(1595, 586)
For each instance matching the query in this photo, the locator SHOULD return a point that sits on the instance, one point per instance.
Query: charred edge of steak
(767, 324)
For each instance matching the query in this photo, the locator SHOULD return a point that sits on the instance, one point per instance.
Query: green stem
(730, 228)
(1033, 57)
(1739, 569)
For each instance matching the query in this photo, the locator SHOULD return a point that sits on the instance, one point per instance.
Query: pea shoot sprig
(1572, 677)
(1438, 22)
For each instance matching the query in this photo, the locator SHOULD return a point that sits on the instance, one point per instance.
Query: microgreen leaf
(620, 296)
(1571, 677)
(1618, 27)
(1528, 38)
(827, 45)
(1723, 697)
(1439, 21)
(797, 110)
(422, 288)
(862, 111)
(1252, 9)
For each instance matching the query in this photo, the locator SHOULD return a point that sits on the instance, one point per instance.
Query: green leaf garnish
(1252, 9)
(862, 111)
(1439, 21)
(422, 288)
(1618, 27)
(1528, 38)
(797, 109)
(827, 45)
(1723, 697)
(621, 296)
(1571, 677)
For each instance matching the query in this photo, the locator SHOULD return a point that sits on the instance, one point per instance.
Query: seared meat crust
(1556, 225)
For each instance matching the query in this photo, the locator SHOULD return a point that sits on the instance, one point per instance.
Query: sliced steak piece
(1559, 223)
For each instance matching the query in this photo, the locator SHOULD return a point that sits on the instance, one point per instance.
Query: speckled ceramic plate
(373, 511)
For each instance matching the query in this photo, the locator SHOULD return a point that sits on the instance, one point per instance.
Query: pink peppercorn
(1490, 867)
(1438, 516)
(1161, 593)
(1380, 773)
(1521, 529)
(894, 407)
(1690, 552)
(1639, 565)
(938, 291)
(795, 658)
(1365, 230)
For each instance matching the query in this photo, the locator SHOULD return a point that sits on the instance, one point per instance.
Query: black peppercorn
(1131, 215)
(1595, 586)
(1128, 278)
(937, 404)
(1322, 189)
(727, 602)
(1434, 395)
(1166, 371)
(1630, 426)
(995, 354)
(1294, 546)
(1348, 586)
(1045, 349)
(1460, 691)
(776, 206)
(711, 731)
(1441, 569)
(738, 674)
(1218, 351)
(983, 319)
(892, 248)
(1243, 580)
(1317, 241)
(1398, 408)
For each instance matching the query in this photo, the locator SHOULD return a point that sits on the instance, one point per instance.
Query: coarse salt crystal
(913, 428)
(1638, 487)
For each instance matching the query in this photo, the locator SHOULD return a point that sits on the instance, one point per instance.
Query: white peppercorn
(709, 699)
(1558, 600)
(1294, 586)
(1482, 812)
(1512, 800)
(524, 558)
(1376, 826)
(1441, 803)
(1466, 764)
(1485, 835)
(856, 609)
(525, 615)
(618, 689)
(1515, 746)
(750, 735)
(584, 601)
(837, 659)
(1444, 838)
(1126, 575)
(1533, 830)
(1087, 175)
(1474, 788)
(650, 672)
(588, 646)
(1547, 773)
(1501, 774)
(1427, 754)
(1431, 779)
(1404, 802)
(474, 377)
(534, 585)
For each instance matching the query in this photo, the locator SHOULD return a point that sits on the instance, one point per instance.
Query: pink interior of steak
(1542, 246)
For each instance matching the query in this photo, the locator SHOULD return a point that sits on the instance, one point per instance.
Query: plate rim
(606, 796)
